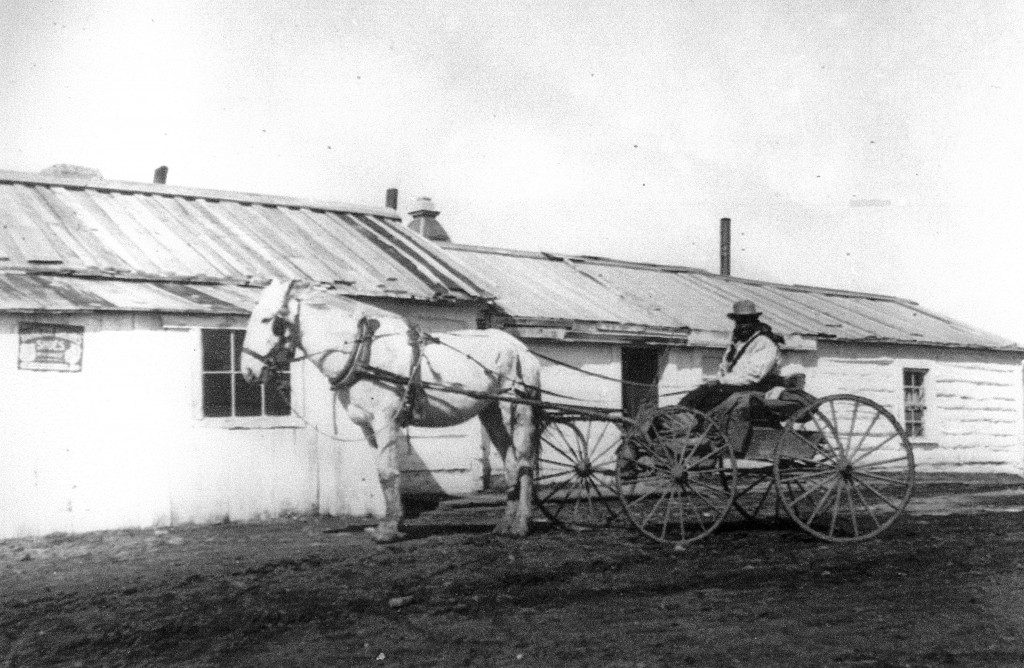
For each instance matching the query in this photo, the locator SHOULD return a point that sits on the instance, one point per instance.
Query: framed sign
(43, 347)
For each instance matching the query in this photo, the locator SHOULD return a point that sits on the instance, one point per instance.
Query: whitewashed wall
(975, 414)
(975, 399)
(123, 443)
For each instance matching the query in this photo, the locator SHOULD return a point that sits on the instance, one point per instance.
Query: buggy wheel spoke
(853, 511)
(871, 465)
(808, 492)
(717, 452)
(554, 462)
(697, 493)
(653, 510)
(881, 478)
(687, 458)
(546, 476)
(818, 507)
(876, 448)
(885, 499)
(769, 488)
(667, 517)
(840, 486)
(557, 488)
(569, 457)
(865, 505)
(865, 435)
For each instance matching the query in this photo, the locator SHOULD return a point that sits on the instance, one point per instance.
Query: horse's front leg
(387, 438)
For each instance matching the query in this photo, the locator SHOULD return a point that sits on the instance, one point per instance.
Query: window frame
(261, 421)
(922, 420)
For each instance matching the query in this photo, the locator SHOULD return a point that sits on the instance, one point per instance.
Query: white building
(121, 306)
(958, 390)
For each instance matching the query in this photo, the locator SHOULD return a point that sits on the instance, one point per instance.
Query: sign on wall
(43, 347)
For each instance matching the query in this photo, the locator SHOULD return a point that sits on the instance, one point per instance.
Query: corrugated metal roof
(535, 288)
(33, 293)
(152, 231)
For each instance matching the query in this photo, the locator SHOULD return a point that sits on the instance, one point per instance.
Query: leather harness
(357, 366)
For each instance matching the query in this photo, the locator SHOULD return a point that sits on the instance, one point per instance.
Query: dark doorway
(640, 370)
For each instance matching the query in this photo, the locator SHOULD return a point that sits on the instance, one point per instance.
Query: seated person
(750, 363)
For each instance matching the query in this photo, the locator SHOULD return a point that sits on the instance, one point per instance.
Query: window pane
(216, 350)
(914, 401)
(216, 395)
(248, 398)
(237, 337)
(278, 394)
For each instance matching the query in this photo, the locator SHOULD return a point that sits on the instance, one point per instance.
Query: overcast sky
(874, 146)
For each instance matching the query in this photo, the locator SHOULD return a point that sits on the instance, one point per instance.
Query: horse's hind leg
(524, 444)
(518, 473)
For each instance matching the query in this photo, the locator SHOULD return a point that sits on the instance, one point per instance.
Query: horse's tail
(527, 369)
(527, 374)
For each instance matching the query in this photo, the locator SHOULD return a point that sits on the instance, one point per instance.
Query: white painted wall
(974, 420)
(123, 442)
(975, 414)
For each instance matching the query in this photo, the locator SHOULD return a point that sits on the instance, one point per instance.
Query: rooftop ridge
(134, 187)
(677, 269)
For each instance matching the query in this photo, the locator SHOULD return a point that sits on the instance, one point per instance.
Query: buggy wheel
(756, 499)
(673, 490)
(848, 469)
(574, 482)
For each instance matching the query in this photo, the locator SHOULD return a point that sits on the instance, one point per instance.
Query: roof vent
(160, 174)
(72, 171)
(424, 220)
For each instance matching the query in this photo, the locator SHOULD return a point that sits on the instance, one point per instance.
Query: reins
(358, 367)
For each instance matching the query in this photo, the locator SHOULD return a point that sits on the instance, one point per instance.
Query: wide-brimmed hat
(744, 309)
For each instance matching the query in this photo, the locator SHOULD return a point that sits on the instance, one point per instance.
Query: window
(914, 402)
(225, 392)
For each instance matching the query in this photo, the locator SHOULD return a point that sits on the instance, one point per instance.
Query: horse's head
(270, 335)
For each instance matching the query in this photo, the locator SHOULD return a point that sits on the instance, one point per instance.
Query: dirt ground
(944, 587)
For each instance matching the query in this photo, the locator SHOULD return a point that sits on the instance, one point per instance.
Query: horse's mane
(318, 296)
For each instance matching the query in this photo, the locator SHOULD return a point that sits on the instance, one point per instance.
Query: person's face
(745, 328)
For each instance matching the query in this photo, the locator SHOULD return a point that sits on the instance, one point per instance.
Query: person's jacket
(748, 362)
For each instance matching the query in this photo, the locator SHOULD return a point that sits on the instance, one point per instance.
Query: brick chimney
(424, 220)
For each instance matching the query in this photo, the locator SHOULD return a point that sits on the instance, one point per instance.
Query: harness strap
(360, 357)
(413, 395)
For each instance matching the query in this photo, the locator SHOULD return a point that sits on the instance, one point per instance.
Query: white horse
(369, 355)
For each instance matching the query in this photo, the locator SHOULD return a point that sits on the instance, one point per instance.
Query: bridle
(287, 340)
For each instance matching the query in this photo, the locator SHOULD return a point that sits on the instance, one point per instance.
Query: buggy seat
(746, 415)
